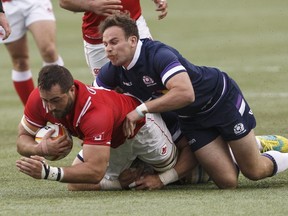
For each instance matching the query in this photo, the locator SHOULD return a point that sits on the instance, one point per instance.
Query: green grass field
(247, 39)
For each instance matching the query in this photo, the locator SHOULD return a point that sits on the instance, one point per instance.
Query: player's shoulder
(108, 76)
(34, 98)
(156, 50)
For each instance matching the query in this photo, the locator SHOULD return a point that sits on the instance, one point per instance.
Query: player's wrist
(43, 148)
(169, 176)
(142, 110)
(51, 173)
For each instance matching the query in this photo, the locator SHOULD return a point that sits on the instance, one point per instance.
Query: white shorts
(152, 144)
(21, 13)
(95, 53)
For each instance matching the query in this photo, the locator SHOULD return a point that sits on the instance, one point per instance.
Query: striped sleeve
(174, 68)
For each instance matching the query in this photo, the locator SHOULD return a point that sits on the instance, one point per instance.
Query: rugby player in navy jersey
(212, 110)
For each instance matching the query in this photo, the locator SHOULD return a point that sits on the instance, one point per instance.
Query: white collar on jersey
(136, 55)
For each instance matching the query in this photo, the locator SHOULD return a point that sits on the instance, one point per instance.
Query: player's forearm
(83, 173)
(27, 146)
(83, 187)
(185, 163)
(186, 159)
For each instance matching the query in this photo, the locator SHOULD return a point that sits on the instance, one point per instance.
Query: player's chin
(114, 61)
(58, 114)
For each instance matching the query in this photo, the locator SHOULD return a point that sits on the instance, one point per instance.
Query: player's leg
(143, 28)
(46, 43)
(156, 148)
(257, 166)
(155, 145)
(40, 20)
(264, 143)
(21, 73)
(216, 160)
(17, 47)
(95, 57)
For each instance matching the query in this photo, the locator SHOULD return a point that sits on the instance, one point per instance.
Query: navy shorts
(231, 118)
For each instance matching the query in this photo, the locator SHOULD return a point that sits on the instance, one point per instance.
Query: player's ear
(133, 41)
(72, 89)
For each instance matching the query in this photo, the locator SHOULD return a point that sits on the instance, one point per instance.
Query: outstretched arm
(91, 170)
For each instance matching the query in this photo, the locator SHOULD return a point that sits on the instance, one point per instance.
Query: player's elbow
(188, 97)
(20, 150)
(73, 187)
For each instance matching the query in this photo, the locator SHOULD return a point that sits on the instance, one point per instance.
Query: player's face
(58, 104)
(119, 50)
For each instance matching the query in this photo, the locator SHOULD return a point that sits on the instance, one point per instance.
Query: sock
(279, 159)
(59, 61)
(23, 84)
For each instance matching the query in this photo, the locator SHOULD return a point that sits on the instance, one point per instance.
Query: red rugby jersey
(91, 21)
(97, 117)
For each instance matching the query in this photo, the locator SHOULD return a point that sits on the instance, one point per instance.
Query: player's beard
(59, 114)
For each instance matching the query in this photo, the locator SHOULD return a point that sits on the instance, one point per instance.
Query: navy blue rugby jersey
(154, 63)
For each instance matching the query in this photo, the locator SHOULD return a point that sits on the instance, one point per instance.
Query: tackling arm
(180, 94)
(185, 163)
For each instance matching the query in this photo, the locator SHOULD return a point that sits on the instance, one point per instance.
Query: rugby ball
(59, 131)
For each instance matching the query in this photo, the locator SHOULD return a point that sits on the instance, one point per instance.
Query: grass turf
(246, 39)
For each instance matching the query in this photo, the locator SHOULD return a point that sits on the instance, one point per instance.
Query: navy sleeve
(107, 77)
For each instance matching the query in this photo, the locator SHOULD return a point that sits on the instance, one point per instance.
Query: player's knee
(49, 54)
(227, 182)
(253, 175)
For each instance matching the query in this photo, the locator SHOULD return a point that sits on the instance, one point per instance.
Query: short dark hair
(54, 74)
(123, 21)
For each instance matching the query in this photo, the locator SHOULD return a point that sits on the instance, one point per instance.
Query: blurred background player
(37, 17)
(97, 11)
(5, 29)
